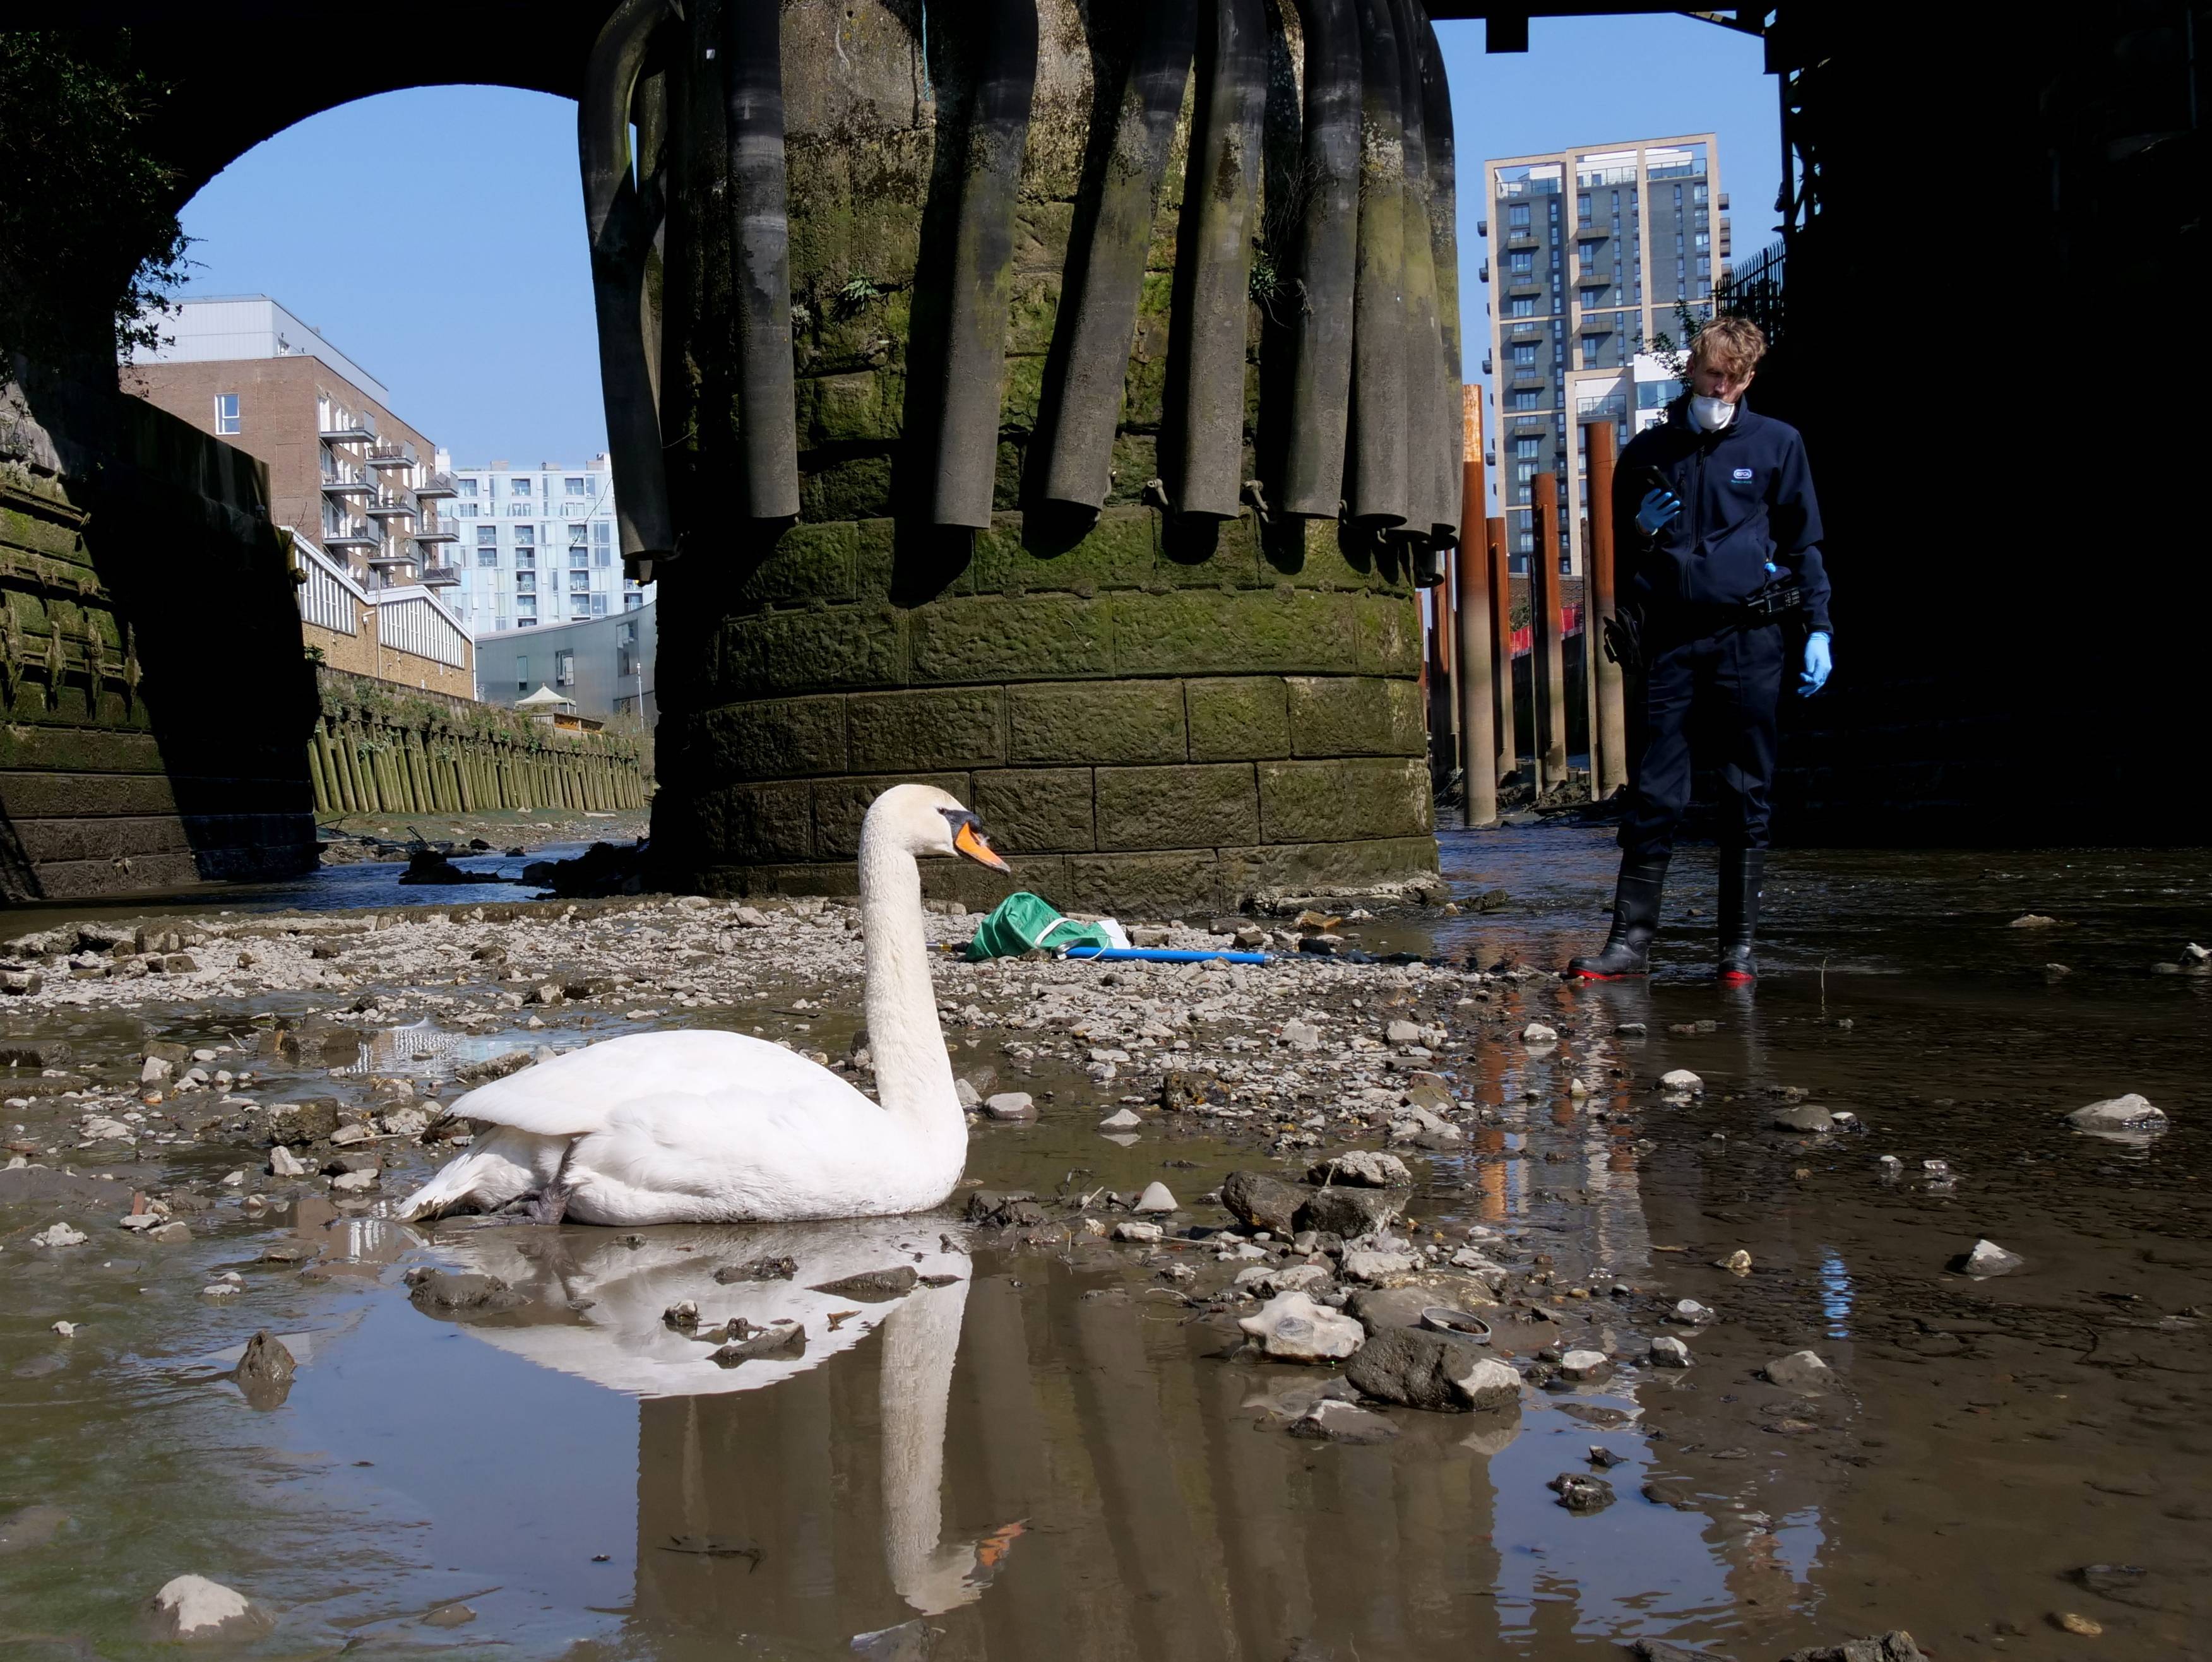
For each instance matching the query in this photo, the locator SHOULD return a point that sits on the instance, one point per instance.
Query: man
(1723, 569)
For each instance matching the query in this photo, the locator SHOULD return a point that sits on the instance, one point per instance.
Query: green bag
(1023, 921)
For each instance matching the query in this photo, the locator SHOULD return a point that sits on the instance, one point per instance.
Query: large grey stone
(1262, 1202)
(1805, 1117)
(1987, 1258)
(193, 1607)
(1349, 1212)
(1420, 1368)
(1893, 1646)
(2131, 1113)
(1801, 1370)
(1292, 1327)
(1362, 1169)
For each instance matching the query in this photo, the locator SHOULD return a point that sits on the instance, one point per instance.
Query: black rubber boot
(1742, 869)
(1635, 921)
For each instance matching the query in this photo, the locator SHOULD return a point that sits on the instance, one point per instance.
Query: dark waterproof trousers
(1721, 689)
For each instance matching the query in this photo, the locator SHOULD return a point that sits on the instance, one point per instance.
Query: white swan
(710, 1127)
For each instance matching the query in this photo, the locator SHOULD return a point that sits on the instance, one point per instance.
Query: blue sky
(472, 302)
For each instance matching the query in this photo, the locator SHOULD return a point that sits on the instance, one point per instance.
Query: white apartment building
(537, 545)
(1593, 254)
(1636, 394)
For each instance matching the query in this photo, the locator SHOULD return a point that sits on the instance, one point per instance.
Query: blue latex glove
(1818, 663)
(1657, 511)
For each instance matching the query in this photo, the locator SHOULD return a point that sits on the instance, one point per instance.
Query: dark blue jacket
(1747, 498)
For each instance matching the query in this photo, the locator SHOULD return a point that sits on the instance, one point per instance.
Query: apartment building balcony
(339, 488)
(389, 561)
(435, 533)
(358, 535)
(1597, 322)
(441, 577)
(349, 432)
(389, 506)
(1529, 375)
(1590, 231)
(391, 455)
(1482, 272)
(1486, 363)
(435, 485)
(1526, 332)
(1522, 239)
(1524, 282)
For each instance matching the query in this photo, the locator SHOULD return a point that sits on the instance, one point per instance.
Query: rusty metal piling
(1609, 722)
(1477, 635)
(1548, 684)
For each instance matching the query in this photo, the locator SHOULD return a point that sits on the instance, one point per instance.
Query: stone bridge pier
(1055, 402)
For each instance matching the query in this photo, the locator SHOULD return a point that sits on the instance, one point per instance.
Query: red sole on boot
(1592, 975)
(1736, 977)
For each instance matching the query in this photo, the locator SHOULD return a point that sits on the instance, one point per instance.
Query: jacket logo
(1741, 475)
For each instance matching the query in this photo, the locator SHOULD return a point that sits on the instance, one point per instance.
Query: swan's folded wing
(573, 1095)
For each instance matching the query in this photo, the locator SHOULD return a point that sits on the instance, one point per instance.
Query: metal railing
(436, 484)
(1755, 290)
(387, 504)
(391, 455)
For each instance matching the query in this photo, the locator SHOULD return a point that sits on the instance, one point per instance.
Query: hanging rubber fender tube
(1102, 313)
(760, 250)
(1327, 248)
(1443, 233)
(1375, 487)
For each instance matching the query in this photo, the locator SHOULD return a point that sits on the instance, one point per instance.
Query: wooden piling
(1609, 733)
(1476, 633)
(1501, 622)
(1548, 683)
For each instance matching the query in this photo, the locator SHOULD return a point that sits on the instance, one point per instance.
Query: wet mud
(1054, 1442)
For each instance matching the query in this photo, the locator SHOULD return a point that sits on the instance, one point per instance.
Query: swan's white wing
(575, 1093)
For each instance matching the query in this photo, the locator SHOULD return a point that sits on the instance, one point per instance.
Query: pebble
(1302, 1036)
(1156, 1198)
(66, 1329)
(1681, 1082)
(1010, 1105)
(1292, 1327)
(1805, 1117)
(1736, 1263)
(1585, 1367)
(229, 1284)
(193, 1607)
(1667, 1351)
(1142, 1233)
(1580, 1492)
(2131, 1112)
(1362, 1169)
(1986, 1258)
(59, 1234)
(283, 1162)
(1536, 1033)
(1688, 1313)
(1124, 1119)
(2082, 1626)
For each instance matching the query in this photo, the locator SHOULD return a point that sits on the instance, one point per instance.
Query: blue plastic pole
(1164, 955)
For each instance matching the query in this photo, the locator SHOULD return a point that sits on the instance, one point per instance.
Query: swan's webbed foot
(549, 1205)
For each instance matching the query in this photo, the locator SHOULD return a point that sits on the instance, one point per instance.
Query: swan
(704, 1126)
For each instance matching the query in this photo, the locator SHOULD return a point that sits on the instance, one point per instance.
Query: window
(1529, 446)
(1698, 193)
(579, 582)
(486, 556)
(598, 605)
(576, 487)
(520, 510)
(517, 487)
(1525, 400)
(226, 412)
(601, 533)
(465, 486)
(1517, 216)
(1525, 353)
(606, 558)
(521, 675)
(564, 668)
(1523, 472)
(1583, 209)
(632, 600)
(1524, 307)
(525, 582)
(526, 536)
(580, 605)
(465, 510)
(1523, 260)
(487, 537)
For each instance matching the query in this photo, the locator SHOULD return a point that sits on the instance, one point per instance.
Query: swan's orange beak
(968, 840)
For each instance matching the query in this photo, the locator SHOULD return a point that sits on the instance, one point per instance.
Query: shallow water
(1048, 1456)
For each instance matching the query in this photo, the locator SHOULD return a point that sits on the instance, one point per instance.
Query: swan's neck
(914, 1076)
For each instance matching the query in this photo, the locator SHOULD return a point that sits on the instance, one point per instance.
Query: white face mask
(1712, 414)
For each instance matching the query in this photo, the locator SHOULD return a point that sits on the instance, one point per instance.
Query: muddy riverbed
(1059, 1440)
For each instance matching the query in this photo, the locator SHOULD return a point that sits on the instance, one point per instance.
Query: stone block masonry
(380, 750)
(1154, 711)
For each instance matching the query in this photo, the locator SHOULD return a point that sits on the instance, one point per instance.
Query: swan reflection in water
(597, 1308)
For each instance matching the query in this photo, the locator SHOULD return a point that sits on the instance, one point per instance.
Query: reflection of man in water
(1724, 571)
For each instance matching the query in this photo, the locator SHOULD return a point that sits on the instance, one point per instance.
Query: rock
(1537, 1033)
(1144, 1233)
(2131, 1113)
(155, 1070)
(1630, 1029)
(779, 1342)
(1362, 1169)
(998, 1211)
(1736, 1263)
(1804, 1118)
(2081, 1627)
(1688, 1313)
(683, 1315)
(1347, 1212)
(1897, 1646)
(193, 1607)
(283, 1162)
(1292, 1327)
(30, 1527)
(1266, 1280)
(1681, 1083)
(1331, 1421)
(1378, 1307)
(1580, 1492)
(1302, 1036)
(1585, 1367)
(1985, 1259)
(1156, 1198)
(354, 1182)
(872, 1286)
(1660, 1650)
(437, 1293)
(1149, 935)
(450, 1616)
(264, 1372)
(758, 1269)
(174, 1233)
(1262, 1202)
(1801, 1370)
(1402, 1033)
(66, 1329)
(1010, 1105)
(970, 1098)
(1420, 1368)
(59, 1234)
(1667, 1351)
(1379, 1264)
(1126, 1119)
(2031, 921)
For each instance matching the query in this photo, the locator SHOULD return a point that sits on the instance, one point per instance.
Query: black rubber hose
(1444, 235)
(621, 220)
(1205, 463)
(1102, 315)
(1425, 371)
(1321, 295)
(1002, 37)
(1376, 489)
(760, 245)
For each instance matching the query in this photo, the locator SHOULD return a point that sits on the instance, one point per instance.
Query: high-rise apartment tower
(1594, 254)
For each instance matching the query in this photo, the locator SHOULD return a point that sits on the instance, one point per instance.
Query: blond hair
(1729, 343)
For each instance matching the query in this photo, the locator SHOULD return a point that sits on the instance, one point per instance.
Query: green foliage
(1523, 614)
(857, 291)
(89, 244)
(1266, 284)
(1662, 345)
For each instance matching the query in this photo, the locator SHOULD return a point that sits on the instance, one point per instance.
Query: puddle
(1050, 1452)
